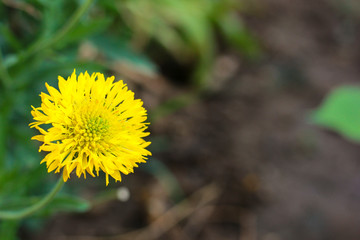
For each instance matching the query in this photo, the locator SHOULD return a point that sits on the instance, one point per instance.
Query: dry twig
(23, 6)
(168, 220)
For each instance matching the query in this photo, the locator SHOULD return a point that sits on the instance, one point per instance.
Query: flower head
(94, 124)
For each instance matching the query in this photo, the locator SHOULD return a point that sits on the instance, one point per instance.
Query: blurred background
(254, 111)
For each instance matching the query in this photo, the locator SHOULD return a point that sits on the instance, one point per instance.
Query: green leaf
(67, 203)
(52, 17)
(119, 49)
(84, 30)
(15, 183)
(8, 229)
(61, 203)
(3, 133)
(341, 112)
(10, 37)
(239, 36)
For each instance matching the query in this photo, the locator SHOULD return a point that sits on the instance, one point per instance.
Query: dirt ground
(257, 167)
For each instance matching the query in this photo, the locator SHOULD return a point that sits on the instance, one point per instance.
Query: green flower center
(95, 128)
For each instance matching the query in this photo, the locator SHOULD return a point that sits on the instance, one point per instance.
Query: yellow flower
(93, 124)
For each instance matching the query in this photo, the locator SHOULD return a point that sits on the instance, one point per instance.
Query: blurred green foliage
(341, 112)
(187, 29)
(41, 39)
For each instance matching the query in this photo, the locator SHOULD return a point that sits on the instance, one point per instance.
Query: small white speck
(123, 194)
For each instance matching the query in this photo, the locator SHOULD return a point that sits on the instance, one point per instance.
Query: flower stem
(34, 208)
